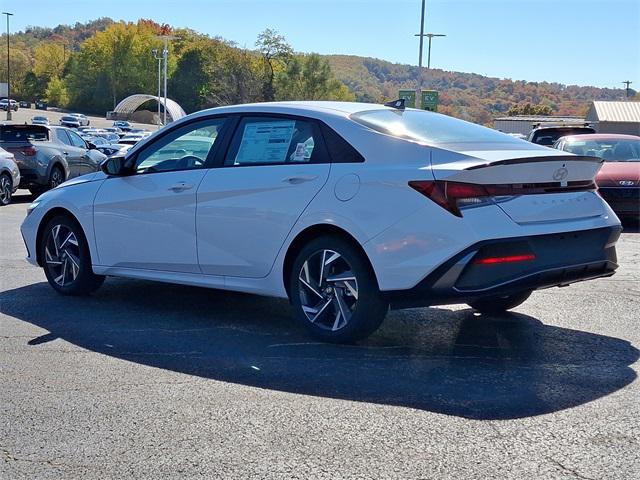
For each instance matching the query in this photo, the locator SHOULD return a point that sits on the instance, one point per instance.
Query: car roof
(600, 136)
(341, 109)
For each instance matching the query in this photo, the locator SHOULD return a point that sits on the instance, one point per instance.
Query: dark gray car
(48, 155)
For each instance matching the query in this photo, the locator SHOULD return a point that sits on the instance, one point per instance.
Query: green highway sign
(430, 100)
(409, 98)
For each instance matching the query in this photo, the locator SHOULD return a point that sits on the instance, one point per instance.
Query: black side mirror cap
(115, 166)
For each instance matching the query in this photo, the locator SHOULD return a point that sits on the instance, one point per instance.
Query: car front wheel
(66, 259)
(334, 291)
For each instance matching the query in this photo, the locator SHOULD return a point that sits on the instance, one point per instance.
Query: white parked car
(9, 176)
(344, 208)
(83, 120)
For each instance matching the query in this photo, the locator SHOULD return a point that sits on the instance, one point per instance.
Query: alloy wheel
(328, 290)
(5, 190)
(56, 178)
(62, 255)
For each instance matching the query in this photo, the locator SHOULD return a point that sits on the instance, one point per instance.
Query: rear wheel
(6, 189)
(499, 304)
(56, 177)
(66, 259)
(334, 291)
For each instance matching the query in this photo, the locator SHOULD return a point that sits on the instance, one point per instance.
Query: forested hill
(464, 95)
(90, 66)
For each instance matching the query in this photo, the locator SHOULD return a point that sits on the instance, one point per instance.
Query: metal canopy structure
(133, 102)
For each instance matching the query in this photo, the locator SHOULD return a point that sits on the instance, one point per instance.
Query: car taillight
(453, 195)
(449, 195)
(28, 151)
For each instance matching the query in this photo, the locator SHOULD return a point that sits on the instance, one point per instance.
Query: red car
(619, 178)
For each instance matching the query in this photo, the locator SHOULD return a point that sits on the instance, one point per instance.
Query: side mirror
(115, 166)
(91, 146)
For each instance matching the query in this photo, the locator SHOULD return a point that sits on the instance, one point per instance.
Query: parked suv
(547, 135)
(48, 155)
(9, 177)
(4, 105)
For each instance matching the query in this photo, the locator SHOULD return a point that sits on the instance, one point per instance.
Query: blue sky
(582, 42)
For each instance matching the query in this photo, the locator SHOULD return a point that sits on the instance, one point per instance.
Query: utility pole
(421, 35)
(8, 69)
(627, 83)
(159, 59)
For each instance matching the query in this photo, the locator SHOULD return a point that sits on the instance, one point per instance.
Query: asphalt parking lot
(145, 380)
(24, 115)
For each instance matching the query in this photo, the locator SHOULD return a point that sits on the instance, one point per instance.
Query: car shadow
(22, 196)
(631, 225)
(451, 362)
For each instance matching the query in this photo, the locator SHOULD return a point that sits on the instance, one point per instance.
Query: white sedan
(344, 208)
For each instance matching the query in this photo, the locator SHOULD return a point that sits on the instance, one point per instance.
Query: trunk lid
(20, 140)
(561, 177)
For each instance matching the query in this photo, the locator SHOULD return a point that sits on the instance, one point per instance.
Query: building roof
(539, 118)
(628, 111)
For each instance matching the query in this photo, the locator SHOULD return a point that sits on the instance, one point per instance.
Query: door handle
(65, 153)
(180, 187)
(299, 179)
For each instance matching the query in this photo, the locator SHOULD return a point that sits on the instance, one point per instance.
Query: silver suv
(48, 155)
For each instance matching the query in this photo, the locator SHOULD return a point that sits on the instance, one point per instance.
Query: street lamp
(8, 69)
(430, 36)
(421, 35)
(159, 59)
(165, 54)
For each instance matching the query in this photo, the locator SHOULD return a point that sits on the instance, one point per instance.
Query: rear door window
(275, 140)
(62, 136)
(76, 140)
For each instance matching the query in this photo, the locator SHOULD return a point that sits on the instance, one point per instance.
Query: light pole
(431, 35)
(159, 59)
(421, 35)
(165, 54)
(627, 89)
(8, 69)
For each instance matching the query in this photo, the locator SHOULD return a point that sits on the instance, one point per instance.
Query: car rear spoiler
(554, 158)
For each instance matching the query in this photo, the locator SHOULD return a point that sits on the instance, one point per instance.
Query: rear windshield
(430, 127)
(609, 150)
(23, 133)
(549, 136)
(69, 119)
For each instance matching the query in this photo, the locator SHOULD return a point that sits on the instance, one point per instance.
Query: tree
(20, 65)
(211, 72)
(56, 93)
(275, 52)
(309, 77)
(529, 109)
(114, 64)
(50, 59)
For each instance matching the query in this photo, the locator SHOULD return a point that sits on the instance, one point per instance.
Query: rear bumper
(560, 259)
(625, 201)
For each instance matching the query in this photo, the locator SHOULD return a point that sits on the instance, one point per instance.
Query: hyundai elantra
(346, 209)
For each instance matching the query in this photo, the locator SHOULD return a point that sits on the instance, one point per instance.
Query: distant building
(524, 123)
(615, 117)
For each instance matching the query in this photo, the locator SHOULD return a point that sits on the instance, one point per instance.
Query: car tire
(6, 189)
(56, 177)
(334, 291)
(499, 304)
(66, 260)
